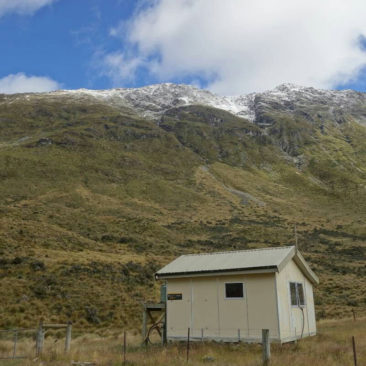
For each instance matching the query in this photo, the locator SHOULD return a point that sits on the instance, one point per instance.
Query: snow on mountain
(308, 96)
(153, 100)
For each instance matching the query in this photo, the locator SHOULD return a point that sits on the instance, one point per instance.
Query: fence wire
(17, 343)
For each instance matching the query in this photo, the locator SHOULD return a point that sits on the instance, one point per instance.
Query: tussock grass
(331, 347)
(93, 200)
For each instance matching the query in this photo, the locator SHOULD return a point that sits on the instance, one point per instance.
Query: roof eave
(287, 259)
(253, 270)
(300, 261)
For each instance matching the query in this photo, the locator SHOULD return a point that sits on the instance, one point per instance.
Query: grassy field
(331, 347)
(93, 200)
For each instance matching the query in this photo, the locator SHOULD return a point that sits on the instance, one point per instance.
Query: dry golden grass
(331, 347)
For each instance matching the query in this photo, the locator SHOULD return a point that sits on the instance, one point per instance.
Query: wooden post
(201, 334)
(39, 339)
(238, 335)
(354, 315)
(266, 347)
(144, 325)
(124, 347)
(68, 336)
(165, 329)
(15, 343)
(354, 351)
(188, 344)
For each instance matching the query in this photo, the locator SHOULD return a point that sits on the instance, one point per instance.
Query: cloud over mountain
(21, 83)
(238, 46)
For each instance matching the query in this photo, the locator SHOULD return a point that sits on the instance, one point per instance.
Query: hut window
(293, 293)
(234, 290)
(297, 294)
(300, 293)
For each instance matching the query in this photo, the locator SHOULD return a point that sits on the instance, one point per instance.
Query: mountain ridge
(153, 100)
(94, 197)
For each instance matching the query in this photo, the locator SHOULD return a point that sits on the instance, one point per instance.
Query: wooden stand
(154, 318)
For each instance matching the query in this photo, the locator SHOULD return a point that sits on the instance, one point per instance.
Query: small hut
(231, 296)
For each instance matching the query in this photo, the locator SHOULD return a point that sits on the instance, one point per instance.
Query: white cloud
(21, 83)
(22, 6)
(118, 67)
(244, 45)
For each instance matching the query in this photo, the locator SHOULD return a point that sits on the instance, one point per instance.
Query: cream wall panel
(179, 311)
(262, 305)
(232, 312)
(310, 307)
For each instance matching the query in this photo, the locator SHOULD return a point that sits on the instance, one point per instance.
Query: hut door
(204, 309)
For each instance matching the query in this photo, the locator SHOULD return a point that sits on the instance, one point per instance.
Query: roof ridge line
(238, 251)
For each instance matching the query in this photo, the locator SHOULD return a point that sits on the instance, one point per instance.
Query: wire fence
(29, 342)
(17, 343)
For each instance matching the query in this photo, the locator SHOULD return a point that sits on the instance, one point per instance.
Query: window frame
(234, 298)
(297, 294)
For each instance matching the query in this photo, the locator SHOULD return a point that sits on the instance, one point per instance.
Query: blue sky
(230, 47)
(60, 40)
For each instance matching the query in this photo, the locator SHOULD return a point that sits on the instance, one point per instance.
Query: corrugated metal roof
(227, 261)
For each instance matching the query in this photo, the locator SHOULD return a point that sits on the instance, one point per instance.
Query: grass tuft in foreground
(331, 347)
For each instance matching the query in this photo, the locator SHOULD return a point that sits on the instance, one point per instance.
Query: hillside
(100, 189)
